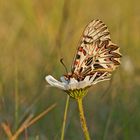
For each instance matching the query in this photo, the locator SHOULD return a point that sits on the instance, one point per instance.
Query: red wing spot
(84, 52)
(80, 49)
(96, 49)
(76, 62)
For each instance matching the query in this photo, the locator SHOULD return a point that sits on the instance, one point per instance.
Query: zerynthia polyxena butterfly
(95, 60)
(95, 53)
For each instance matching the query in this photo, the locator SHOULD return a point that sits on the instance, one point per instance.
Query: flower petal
(62, 78)
(87, 78)
(74, 84)
(73, 81)
(93, 78)
(83, 84)
(53, 82)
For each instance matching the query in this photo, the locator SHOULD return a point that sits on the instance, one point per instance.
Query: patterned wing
(96, 52)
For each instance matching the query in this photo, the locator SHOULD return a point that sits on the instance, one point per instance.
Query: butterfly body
(78, 77)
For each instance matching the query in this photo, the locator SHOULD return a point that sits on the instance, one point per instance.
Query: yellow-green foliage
(35, 34)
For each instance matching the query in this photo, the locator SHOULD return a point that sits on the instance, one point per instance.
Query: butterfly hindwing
(95, 51)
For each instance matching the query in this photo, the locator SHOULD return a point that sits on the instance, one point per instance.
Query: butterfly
(95, 53)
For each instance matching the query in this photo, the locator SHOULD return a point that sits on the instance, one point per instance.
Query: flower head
(75, 88)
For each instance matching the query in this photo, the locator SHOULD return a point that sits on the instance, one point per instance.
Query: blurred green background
(35, 34)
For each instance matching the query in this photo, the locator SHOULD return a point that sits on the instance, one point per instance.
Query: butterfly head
(68, 76)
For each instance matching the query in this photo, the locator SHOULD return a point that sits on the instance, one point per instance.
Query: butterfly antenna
(61, 60)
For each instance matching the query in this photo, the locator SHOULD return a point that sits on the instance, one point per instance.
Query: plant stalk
(82, 119)
(16, 95)
(65, 117)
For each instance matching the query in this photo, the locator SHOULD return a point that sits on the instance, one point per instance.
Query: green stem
(65, 117)
(82, 119)
(16, 94)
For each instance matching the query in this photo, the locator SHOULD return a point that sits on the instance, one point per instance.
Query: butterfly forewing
(96, 52)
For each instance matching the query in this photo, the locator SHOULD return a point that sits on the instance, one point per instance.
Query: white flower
(73, 84)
